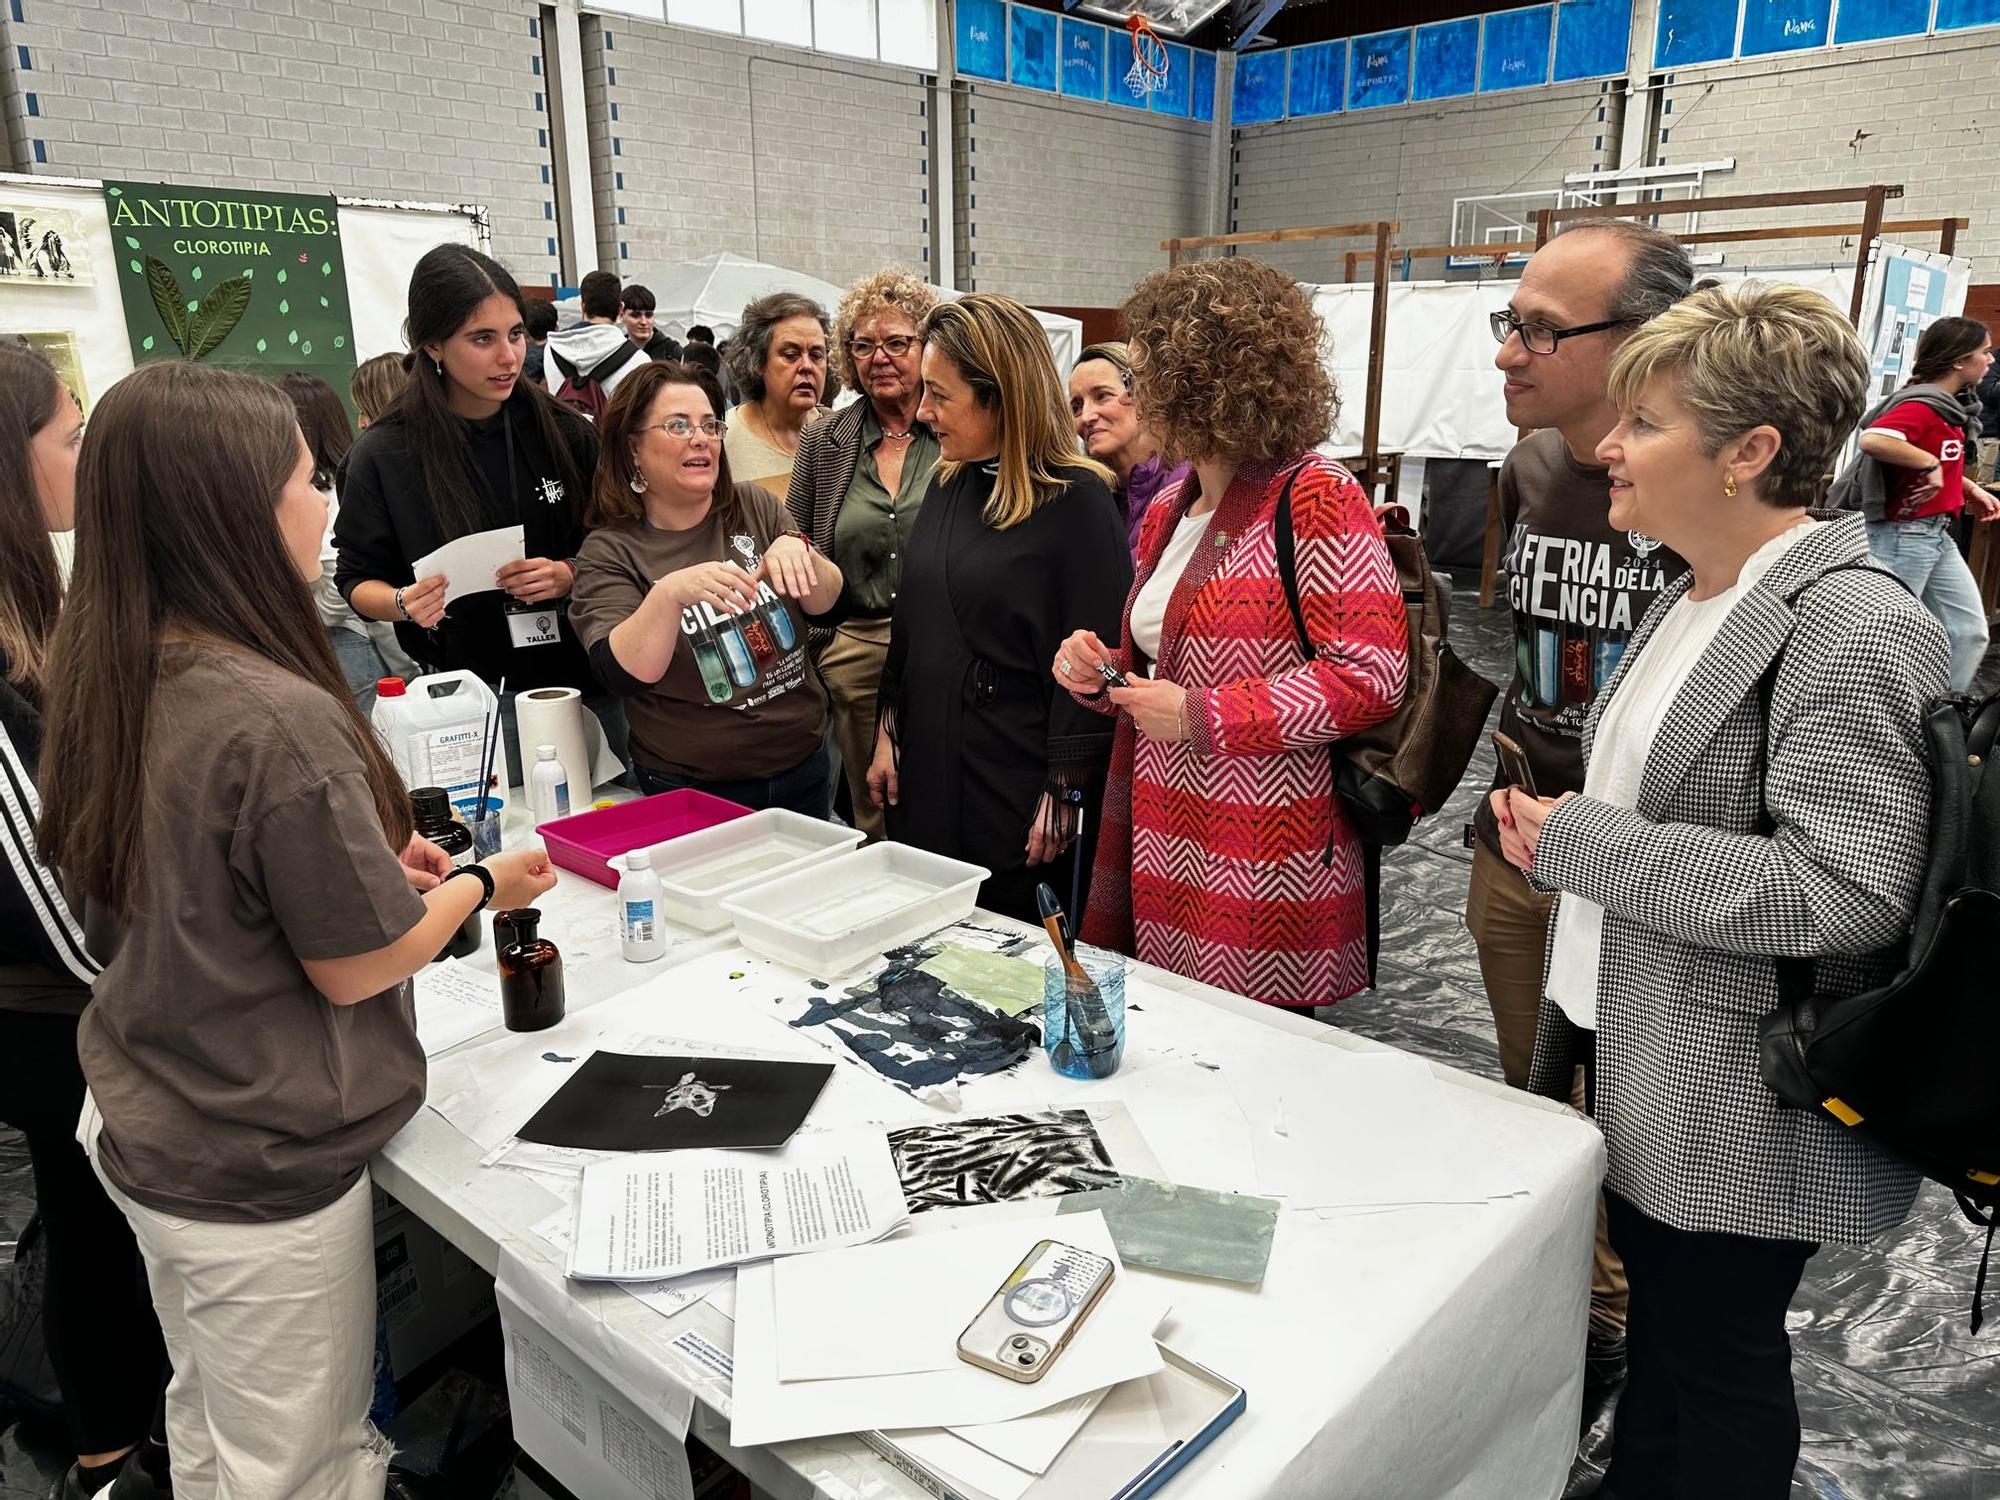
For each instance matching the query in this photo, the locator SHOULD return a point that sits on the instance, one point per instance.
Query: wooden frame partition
(1376, 469)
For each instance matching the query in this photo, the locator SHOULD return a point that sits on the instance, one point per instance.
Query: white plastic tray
(699, 871)
(837, 915)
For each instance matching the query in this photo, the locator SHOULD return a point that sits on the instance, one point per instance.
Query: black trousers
(1708, 1411)
(103, 1336)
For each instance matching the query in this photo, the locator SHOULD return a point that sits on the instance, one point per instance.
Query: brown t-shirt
(231, 1089)
(738, 700)
(1577, 587)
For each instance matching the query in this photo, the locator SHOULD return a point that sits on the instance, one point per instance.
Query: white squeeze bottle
(640, 937)
(548, 787)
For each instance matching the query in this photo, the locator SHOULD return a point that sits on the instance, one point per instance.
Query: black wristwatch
(485, 879)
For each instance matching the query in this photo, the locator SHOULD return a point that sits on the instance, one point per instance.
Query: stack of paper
(652, 1216)
(867, 1339)
(454, 1004)
(1338, 1130)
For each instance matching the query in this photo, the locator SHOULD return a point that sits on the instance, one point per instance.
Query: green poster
(250, 280)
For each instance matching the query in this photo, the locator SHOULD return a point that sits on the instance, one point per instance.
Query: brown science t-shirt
(231, 1089)
(739, 700)
(1577, 587)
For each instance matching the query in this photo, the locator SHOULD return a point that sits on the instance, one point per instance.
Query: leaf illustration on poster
(251, 280)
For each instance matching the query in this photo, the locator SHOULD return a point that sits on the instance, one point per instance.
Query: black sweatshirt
(386, 523)
(44, 965)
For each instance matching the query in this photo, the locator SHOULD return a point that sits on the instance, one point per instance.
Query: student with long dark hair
(250, 1044)
(103, 1340)
(470, 446)
(1920, 439)
(366, 649)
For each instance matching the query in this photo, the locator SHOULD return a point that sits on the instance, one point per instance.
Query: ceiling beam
(1248, 18)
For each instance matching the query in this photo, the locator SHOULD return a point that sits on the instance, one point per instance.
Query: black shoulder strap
(612, 363)
(1288, 580)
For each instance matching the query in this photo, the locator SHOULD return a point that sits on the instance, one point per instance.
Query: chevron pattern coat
(1699, 899)
(1210, 856)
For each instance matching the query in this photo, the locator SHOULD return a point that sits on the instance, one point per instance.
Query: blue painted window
(982, 39)
(1692, 31)
(1515, 51)
(1592, 38)
(1784, 25)
(1173, 99)
(1031, 48)
(1084, 49)
(1260, 87)
(1380, 72)
(1952, 15)
(1203, 104)
(1447, 59)
(1319, 79)
(1866, 20)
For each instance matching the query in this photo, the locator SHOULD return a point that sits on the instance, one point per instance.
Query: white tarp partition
(716, 288)
(380, 243)
(1440, 391)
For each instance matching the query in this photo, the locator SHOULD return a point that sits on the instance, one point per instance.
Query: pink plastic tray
(583, 843)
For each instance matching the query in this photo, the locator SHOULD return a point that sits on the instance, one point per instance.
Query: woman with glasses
(857, 485)
(777, 368)
(692, 597)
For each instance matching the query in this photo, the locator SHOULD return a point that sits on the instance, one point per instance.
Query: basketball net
(1148, 73)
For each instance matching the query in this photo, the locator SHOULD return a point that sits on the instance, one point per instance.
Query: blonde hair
(375, 385)
(1003, 355)
(892, 289)
(1755, 355)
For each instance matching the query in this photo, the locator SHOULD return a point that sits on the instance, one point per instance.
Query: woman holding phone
(225, 810)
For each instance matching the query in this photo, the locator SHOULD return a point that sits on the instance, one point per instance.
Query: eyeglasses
(1539, 338)
(681, 427)
(863, 350)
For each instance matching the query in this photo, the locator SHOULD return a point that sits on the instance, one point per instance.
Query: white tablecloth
(1432, 1353)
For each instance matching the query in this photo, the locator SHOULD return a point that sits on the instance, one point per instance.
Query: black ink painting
(999, 1159)
(911, 1028)
(621, 1101)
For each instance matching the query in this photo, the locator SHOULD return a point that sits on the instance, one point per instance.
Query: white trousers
(271, 1330)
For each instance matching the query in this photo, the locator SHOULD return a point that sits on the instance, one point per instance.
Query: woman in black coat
(978, 756)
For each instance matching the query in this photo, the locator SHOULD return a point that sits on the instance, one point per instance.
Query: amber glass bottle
(531, 971)
(432, 807)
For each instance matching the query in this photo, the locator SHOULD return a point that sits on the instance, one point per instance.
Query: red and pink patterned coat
(1210, 859)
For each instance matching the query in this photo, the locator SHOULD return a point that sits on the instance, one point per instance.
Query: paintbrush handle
(1052, 924)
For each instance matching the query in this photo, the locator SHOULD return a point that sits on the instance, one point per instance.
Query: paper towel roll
(556, 716)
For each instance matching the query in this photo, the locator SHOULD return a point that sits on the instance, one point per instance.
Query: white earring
(638, 484)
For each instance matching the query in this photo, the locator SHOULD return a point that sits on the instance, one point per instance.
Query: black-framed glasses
(1539, 338)
(680, 427)
(863, 350)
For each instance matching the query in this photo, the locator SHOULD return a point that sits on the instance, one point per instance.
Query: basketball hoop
(1148, 73)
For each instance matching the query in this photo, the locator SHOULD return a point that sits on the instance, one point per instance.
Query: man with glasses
(1576, 586)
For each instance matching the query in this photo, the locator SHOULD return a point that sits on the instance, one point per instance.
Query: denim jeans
(360, 663)
(1923, 554)
(806, 788)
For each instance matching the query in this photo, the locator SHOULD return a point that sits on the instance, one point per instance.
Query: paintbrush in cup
(1088, 1019)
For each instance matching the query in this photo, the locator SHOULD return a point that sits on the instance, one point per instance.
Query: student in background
(1107, 422)
(584, 363)
(777, 370)
(636, 308)
(103, 1340)
(366, 649)
(375, 385)
(541, 321)
(250, 1044)
(1920, 439)
(470, 447)
(693, 593)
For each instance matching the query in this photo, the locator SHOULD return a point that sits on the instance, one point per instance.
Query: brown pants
(851, 668)
(1509, 920)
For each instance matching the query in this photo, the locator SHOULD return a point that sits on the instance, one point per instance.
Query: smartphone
(1111, 674)
(1514, 763)
(1031, 1317)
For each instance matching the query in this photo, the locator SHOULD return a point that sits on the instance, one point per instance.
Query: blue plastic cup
(1083, 1032)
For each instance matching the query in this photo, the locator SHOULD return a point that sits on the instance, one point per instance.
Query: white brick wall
(808, 161)
(1930, 110)
(413, 99)
(1068, 202)
(1408, 164)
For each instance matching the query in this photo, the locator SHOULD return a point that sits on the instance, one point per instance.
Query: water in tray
(859, 905)
(728, 866)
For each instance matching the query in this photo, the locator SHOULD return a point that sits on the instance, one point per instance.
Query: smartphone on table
(1514, 763)
(1032, 1315)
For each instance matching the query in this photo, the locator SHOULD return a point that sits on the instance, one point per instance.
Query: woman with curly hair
(1224, 854)
(978, 757)
(857, 486)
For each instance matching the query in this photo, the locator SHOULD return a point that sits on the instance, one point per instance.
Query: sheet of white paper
(1115, 1343)
(469, 562)
(829, 1308)
(678, 1293)
(1342, 1130)
(454, 1004)
(938, 1450)
(653, 1215)
(577, 1426)
(1033, 1442)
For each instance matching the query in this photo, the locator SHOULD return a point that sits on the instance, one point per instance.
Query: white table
(1433, 1353)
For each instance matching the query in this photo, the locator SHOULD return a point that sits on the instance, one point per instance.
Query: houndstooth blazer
(1698, 901)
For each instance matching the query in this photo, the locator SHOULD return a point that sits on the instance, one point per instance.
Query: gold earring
(1729, 485)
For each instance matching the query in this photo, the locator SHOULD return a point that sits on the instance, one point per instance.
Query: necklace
(769, 436)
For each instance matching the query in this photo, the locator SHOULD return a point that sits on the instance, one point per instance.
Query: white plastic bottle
(640, 937)
(548, 787)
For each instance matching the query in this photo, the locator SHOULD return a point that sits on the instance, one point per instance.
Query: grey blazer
(1698, 901)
